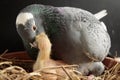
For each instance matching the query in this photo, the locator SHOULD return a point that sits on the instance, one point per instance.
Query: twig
(20, 69)
(6, 62)
(4, 52)
(77, 72)
(66, 72)
(52, 74)
(15, 60)
(29, 75)
(66, 66)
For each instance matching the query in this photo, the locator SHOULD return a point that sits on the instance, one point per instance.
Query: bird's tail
(101, 14)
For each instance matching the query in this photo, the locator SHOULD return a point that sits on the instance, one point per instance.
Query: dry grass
(12, 69)
(9, 71)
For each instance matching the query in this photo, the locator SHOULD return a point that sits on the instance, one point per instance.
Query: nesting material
(12, 70)
(18, 73)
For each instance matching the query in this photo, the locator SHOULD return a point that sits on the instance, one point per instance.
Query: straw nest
(12, 69)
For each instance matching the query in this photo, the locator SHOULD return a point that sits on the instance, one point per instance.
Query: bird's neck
(44, 55)
(42, 58)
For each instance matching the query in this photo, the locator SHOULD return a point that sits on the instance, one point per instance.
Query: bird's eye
(83, 19)
(34, 28)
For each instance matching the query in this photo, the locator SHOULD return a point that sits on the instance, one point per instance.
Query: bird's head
(28, 26)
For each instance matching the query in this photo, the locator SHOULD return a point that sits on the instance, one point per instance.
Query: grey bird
(77, 35)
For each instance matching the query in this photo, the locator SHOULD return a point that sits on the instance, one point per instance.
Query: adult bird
(77, 36)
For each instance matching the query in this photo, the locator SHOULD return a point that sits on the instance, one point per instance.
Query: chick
(44, 60)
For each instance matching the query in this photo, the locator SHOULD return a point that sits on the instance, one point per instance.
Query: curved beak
(33, 45)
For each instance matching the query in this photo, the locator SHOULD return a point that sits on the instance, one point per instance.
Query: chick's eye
(34, 28)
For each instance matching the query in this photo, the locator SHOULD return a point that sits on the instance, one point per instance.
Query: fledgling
(43, 58)
(44, 46)
(42, 42)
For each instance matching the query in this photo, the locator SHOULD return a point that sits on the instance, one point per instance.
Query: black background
(9, 39)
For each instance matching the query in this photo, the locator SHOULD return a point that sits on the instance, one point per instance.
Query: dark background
(9, 39)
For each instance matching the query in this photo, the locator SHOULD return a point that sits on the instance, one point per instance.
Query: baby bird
(44, 45)
(43, 59)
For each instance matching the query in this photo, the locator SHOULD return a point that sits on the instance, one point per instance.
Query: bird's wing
(93, 33)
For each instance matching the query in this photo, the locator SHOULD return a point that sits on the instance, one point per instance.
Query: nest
(13, 69)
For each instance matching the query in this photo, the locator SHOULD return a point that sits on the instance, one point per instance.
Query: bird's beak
(33, 45)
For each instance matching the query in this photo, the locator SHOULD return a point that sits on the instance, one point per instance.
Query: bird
(77, 35)
(44, 45)
(44, 60)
